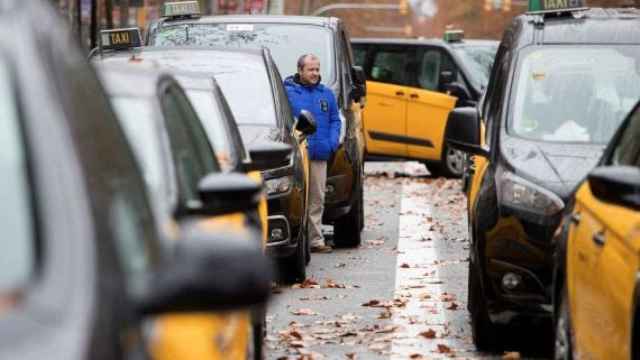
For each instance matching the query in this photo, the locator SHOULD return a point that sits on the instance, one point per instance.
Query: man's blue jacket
(320, 101)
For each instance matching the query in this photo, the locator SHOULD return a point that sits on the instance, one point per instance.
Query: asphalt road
(401, 294)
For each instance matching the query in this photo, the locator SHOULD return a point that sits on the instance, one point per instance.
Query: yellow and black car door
(428, 105)
(603, 265)
(387, 94)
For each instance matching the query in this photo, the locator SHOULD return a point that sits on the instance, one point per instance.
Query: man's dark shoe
(322, 249)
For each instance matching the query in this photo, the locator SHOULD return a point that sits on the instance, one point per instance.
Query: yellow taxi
(597, 283)
(173, 158)
(412, 86)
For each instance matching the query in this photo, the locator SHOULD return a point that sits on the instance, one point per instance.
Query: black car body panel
(515, 240)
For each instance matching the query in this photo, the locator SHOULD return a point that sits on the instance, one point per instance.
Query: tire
(347, 230)
(563, 343)
(451, 164)
(294, 268)
(485, 333)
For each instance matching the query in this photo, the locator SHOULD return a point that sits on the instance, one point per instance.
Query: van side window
(389, 65)
(359, 54)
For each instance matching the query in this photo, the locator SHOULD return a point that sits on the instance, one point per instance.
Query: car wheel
(452, 162)
(347, 230)
(562, 347)
(294, 268)
(485, 334)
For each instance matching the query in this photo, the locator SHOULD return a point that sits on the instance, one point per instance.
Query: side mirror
(268, 155)
(447, 77)
(618, 185)
(306, 123)
(209, 273)
(227, 193)
(460, 91)
(463, 131)
(360, 83)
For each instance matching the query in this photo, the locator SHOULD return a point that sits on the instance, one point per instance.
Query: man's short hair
(303, 58)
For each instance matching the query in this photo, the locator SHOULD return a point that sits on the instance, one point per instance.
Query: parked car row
(552, 209)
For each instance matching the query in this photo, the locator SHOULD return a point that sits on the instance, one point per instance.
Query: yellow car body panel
(480, 164)
(206, 335)
(601, 278)
(262, 207)
(427, 114)
(201, 336)
(405, 121)
(385, 114)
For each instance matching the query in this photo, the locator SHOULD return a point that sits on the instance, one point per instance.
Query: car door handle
(414, 96)
(599, 238)
(400, 93)
(575, 218)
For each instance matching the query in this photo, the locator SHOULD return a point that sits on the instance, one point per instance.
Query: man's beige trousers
(317, 185)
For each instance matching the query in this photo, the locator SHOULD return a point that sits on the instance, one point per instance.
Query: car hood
(252, 134)
(558, 167)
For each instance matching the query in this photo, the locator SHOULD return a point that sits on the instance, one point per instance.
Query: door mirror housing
(447, 77)
(306, 123)
(463, 131)
(619, 185)
(225, 194)
(269, 155)
(460, 91)
(209, 273)
(360, 83)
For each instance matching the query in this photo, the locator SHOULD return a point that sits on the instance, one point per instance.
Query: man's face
(310, 72)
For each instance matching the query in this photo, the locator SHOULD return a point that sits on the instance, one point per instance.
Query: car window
(308, 39)
(136, 115)
(18, 255)
(207, 107)
(574, 93)
(192, 154)
(359, 54)
(627, 150)
(389, 65)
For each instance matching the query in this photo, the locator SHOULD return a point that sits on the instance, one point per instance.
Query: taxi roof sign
(181, 9)
(120, 39)
(543, 6)
(453, 35)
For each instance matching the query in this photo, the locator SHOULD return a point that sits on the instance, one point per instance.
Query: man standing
(306, 93)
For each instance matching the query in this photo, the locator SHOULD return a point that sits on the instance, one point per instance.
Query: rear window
(18, 255)
(285, 41)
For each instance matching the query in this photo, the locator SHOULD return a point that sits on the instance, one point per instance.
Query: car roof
(117, 79)
(262, 19)
(590, 26)
(421, 41)
(158, 52)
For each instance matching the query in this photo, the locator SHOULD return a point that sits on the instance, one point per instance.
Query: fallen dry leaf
(307, 284)
(385, 314)
(375, 242)
(405, 266)
(416, 356)
(330, 284)
(387, 329)
(511, 355)
(444, 349)
(350, 356)
(446, 297)
(429, 334)
(304, 312)
(452, 306)
(372, 303)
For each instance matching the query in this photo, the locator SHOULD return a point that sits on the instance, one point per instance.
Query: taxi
(262, 114)
(563, 81)
(286, 38)
(597, 288)
(172, 158)
(83, 263)
(413, 84)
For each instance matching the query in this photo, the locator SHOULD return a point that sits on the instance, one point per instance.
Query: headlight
(278, 185)
(521, 194)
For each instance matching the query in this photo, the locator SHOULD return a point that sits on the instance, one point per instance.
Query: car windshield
(285, 41)
(574, 93)
(207, 108)
(18, 255)
(137, 118)
(479, 60)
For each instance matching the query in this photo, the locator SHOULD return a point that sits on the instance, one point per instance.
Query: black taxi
(261, 112)
(83, 262)
(562, 82)
(288, 37)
